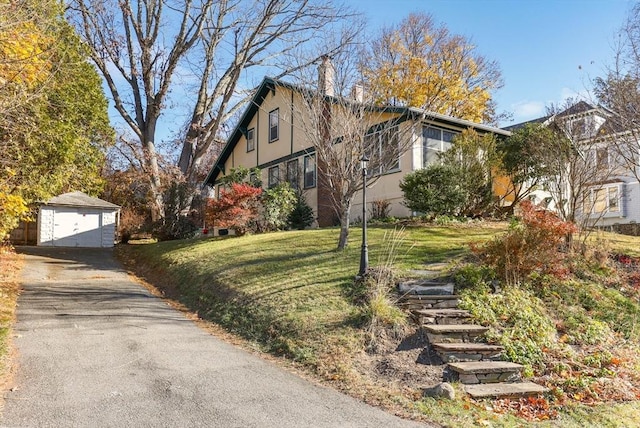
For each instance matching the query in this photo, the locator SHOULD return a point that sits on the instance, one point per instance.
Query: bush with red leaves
(236, 208)
(534, 243)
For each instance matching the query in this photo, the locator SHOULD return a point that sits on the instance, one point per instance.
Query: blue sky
(546, 49)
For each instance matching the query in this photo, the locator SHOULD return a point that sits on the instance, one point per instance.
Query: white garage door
(76, 227)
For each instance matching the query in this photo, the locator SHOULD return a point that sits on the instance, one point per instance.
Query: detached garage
(77, 220)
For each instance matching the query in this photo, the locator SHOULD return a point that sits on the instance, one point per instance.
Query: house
(77, 220)
(271, 135)
(606, 193)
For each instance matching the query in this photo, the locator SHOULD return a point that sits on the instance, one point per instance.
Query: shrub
(277, 204)
(131, 222)
(176, 227)
(235, 208)
(434, 190)
(380, 209)
(302, 215)
(518, 320)
(533, 243)
(241, 175)
(12, 209)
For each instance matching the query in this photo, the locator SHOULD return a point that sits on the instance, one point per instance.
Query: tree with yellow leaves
(420, 64)
(54, 125)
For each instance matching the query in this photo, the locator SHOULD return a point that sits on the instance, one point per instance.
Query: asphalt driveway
(95, 349)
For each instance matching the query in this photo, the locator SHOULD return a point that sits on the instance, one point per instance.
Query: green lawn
(288, 293)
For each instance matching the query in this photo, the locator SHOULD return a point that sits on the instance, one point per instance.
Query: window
(382, 149)
(273, 125)
(274, 176)
(603, 199)
(435, 141)
(251, 144)
(309, 171)
(292, 173)
(614, 199)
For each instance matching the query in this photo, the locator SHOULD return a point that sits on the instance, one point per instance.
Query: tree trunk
(344, 224)
(155, 183)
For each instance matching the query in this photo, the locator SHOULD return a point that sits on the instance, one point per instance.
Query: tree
(52, 139)
(619, 91)
(420, 64)
(525, 159)
(342, 130)
(147, 45)
(61, 143)
(25, 62)
(574, 165)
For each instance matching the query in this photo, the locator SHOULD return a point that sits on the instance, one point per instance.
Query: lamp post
(364, 252)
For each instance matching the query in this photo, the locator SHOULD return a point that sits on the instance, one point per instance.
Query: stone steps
(428, 287)
(456, 352)
(440, 316)
(425, 301)
(453, 333)
(480, 372)
(434, 307)
(504, 390)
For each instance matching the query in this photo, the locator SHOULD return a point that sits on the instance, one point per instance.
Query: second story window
(274, 128)
(251, 143)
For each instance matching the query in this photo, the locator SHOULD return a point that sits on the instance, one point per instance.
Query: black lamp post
(364, 252)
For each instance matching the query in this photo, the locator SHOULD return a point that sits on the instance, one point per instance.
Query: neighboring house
(77, 220)
(612, 195)
(269, 136)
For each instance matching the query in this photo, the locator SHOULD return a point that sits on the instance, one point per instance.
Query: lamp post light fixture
(364, 252)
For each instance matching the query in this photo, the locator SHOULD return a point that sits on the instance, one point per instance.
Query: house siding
(294, 143)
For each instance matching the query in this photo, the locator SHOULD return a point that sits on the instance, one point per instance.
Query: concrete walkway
(95, 349)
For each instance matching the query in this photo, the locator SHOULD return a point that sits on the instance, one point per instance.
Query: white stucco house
(77, 220)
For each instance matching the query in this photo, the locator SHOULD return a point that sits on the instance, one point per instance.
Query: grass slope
(289, 294)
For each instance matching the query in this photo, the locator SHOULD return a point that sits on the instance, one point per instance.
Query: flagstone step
(476, 372)
(431, 269)
(440, 316)
(504, 390)
(425, 301)
(448, 333)
(426, 286)
(456, 352)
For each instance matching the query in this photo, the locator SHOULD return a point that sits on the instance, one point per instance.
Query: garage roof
(79, 199)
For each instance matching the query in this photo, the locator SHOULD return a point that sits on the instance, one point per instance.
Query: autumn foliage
(422, 64)
(236, 208)
(534, 243)
(23, 52)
